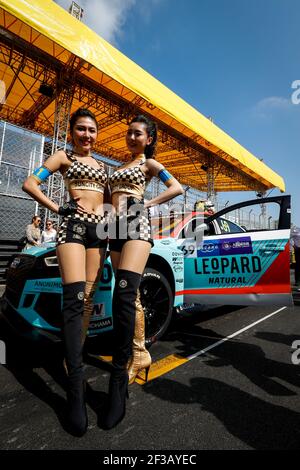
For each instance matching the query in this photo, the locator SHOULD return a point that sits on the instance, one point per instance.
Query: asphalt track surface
(238, 389)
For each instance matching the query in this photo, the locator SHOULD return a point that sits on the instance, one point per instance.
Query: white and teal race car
(229, 265)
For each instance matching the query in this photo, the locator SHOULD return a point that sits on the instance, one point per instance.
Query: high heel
(141, 358)
(146, 369)
(118, 392)
(138, 364)
(146, 373)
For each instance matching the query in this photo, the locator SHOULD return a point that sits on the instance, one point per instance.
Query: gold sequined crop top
(82, 176)
(130, 180)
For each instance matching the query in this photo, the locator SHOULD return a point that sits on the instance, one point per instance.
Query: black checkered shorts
(123, 228)
(83, 229)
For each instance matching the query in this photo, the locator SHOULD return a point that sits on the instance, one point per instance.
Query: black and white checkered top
(131, 180)
(82, 176)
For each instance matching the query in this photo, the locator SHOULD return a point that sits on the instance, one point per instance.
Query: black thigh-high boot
(73, 305)
(125, 293)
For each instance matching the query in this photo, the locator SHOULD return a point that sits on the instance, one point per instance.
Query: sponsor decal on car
(99, 325)
(227, 246)
(209, 249)
(236, 246)
(177, 268)
(232, 265)
(98, 312)
(151, 275)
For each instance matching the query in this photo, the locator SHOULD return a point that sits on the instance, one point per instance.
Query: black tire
(157, 301)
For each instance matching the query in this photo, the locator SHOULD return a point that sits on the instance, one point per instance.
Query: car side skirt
(284, 299)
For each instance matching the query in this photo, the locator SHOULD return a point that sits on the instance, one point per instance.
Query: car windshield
(176, 225)
(165, 225)
(170, 225)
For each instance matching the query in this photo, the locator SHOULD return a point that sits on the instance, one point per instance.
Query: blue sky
(233, 60)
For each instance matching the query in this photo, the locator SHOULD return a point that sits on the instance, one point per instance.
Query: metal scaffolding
(60, 88)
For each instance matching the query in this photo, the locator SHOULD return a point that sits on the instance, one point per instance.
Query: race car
(206, 261)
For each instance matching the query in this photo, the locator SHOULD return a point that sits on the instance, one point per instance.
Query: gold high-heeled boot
(141, 358)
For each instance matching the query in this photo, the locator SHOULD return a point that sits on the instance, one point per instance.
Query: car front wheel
(157, 301)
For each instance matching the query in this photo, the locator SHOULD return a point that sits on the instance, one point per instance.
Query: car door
(245, 267)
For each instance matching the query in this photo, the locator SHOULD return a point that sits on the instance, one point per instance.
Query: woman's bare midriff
(92, 201)
(118, 201)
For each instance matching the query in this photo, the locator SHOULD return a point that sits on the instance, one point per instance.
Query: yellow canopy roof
(189, 142)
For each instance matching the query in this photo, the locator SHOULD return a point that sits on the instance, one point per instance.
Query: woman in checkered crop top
(80, 252)
(82, 176)
(129, 180)
(130, 244)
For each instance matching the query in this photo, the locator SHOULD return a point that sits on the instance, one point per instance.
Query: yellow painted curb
(105, 358)
(158, 368)
(161, 367)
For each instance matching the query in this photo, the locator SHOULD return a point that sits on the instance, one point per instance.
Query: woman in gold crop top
(130, 244)
(80, 252)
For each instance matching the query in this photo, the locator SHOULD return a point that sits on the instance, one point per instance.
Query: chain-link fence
(21, 151)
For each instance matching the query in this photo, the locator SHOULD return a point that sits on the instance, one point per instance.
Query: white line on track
(223, 340)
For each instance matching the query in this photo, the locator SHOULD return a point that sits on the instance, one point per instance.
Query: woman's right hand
(68, 208)
(80, 208)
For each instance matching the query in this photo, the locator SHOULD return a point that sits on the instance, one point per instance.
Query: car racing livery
(249, 269)
(239, 268)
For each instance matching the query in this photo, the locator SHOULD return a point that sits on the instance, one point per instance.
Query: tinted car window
(226, 226)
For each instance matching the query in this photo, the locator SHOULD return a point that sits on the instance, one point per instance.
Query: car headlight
(51, 261)
(15, 262)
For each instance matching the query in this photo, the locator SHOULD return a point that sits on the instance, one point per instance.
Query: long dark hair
(151, 128)
(81, 112)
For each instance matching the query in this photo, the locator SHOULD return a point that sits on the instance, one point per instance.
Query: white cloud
(273, 102)
(108, 17)
(271, 105)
